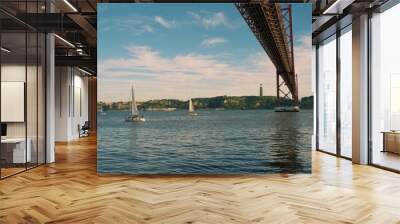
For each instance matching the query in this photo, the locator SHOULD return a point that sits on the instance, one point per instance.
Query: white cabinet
(19, 155)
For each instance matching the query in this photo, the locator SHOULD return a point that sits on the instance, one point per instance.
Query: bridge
(271, 23)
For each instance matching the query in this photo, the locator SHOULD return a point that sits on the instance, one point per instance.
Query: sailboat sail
(135, 111)
(191, 107)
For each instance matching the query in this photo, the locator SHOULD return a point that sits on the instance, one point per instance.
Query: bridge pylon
(271, 24)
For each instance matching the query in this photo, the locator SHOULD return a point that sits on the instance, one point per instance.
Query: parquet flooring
(70, 191)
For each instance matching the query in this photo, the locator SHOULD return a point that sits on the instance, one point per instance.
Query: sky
(189, 50)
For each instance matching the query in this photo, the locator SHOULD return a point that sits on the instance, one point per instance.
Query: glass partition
(22, 101)
(327, 95)
(41, 97)
(346, 93)
(13, 109)
(385, 89)
(31, 97)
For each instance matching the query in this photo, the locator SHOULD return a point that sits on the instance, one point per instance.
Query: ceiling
(332, 15)
(73, 21)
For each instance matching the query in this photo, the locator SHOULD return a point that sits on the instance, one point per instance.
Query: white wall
(33, 126)
(62, 82)
(17, 73)
(71, 87)
(79, 115)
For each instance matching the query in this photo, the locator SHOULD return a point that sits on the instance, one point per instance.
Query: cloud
(209, 19)
(196, 16)
(181, 76)
(134, 25)
(195, 75)
(148, 28)
(303, 63)
(163, 22)
(211, 41)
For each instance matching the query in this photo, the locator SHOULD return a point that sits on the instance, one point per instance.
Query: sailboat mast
(132, 100)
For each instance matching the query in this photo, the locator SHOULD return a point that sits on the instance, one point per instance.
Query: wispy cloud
(163, 22)
(210, 19)
(211, 41)
(133, 25)
(148, 28)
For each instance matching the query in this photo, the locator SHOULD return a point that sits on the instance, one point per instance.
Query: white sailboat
(135, 116)
(101, 111)
(191, 108)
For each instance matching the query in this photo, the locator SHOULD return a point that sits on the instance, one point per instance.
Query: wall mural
(192, 89)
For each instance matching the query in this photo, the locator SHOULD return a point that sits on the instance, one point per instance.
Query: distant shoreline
(202, 109)
(213, 103)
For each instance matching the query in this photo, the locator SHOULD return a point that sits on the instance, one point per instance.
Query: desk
(391, 141)
(16, 147)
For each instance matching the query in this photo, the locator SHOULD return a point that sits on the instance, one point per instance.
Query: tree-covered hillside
(225, 102)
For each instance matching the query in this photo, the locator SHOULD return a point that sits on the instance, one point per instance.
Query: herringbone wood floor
(70, 191)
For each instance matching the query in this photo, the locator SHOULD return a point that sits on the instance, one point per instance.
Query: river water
(215, 142)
